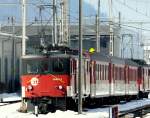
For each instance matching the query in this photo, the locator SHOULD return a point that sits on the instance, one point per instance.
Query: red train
(52, 81)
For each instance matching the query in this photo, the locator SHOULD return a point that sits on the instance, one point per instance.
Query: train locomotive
(51, 81)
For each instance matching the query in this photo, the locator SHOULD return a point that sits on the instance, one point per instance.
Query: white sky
(131, 10)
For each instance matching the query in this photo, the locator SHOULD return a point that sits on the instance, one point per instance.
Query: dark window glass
(58, 65)
(46, 66)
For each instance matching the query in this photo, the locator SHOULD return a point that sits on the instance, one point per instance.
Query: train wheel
(44, 108)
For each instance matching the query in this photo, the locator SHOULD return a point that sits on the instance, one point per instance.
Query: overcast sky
(131, 10)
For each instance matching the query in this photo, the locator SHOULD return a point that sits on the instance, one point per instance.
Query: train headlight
(29, 87)
(60, 87)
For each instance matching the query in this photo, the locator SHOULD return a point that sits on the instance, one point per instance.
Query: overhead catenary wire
(131, 8)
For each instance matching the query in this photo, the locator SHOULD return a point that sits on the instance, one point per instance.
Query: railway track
(136, 112)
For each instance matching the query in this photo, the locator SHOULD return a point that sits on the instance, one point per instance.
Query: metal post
(80, 60)
(2, 62)
(62, 22)
(122, 46)
(13, 54)
(132, 50)
(97, 34)
(54, 41)
(23, 102)
(111, 45)
(119, 19)
(97, 28)
(65, 15)
(23, 27)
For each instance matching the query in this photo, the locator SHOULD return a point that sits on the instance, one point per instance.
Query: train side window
(121, 73)
(116, 73)
(107, 72)
(100, 71)
(104, 72)
(148, 72)
(131, 74)
(96, 70)
(87, 66)
(57, 65)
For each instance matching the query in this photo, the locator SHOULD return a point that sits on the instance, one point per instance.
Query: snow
(5, 97)
(135, 104)
(10, 110)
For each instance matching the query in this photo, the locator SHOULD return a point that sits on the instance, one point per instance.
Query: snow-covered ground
(9, 97)
(10, 111)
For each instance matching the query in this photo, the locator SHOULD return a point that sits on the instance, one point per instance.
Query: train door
(92, 78)
(86, 79)
(143, 86)
(73, 76)
(125, 78)
(102, 79)
(146, 79)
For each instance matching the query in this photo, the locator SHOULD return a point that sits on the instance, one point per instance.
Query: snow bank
(5, 97)
(10, 111)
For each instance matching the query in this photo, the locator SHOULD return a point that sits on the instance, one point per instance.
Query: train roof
(131, 62)
(113, 59)
(117, 60)
(107, 58)
(100, 57)
(44, 56)
(140, 62)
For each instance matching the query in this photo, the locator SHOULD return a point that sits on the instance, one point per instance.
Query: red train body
(54, 79)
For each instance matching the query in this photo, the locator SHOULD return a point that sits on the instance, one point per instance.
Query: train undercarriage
(43, 105)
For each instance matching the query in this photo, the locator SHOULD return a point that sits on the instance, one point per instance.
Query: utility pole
(65, 15)
(13, 53)
(111, 45)
(23, 27)
(23, 102)
(132, 50)
(97, 29)
(62, 22)
(54, 40)
(119, 19)
(80, 60)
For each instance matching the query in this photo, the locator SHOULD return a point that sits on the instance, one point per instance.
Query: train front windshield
(45, 66)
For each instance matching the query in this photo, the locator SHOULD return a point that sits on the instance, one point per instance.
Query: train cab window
(35, 66)
(57, 65)
(44, 67)
(32, 68)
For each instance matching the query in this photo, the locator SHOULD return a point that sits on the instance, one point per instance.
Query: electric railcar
(52, 81)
